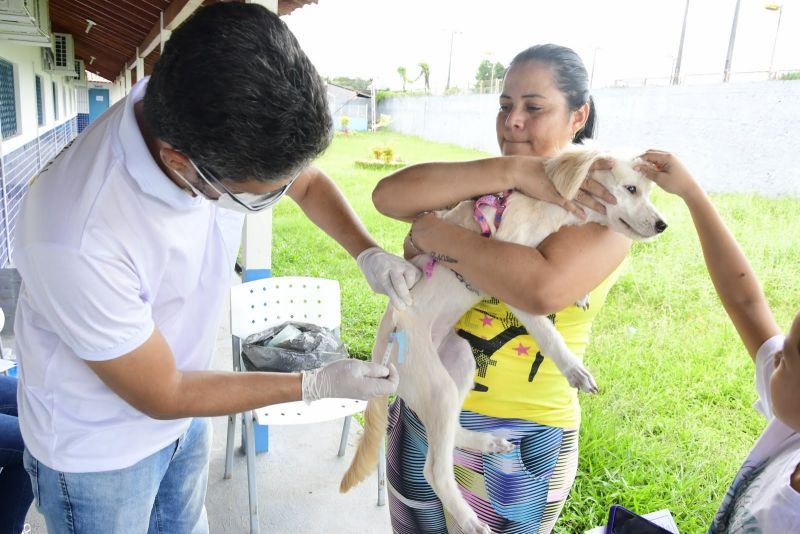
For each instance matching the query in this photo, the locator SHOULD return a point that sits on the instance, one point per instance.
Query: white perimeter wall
(734, 137)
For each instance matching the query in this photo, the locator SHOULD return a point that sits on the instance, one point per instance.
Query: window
(39, 101)
(64, 101)
(8, 100)
(55, 101)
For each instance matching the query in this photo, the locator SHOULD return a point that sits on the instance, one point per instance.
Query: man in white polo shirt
(126, 244)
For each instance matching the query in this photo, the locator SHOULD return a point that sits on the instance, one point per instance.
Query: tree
(484, 73)
(402, 72)
(499, 71)
(356, 84)
(425, 71)
(488, 73)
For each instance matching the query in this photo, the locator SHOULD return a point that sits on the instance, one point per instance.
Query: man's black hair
(234, 92)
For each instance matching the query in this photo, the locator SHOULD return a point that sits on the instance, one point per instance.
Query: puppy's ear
(570, 167)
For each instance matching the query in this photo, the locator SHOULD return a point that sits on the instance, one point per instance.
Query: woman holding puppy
(519, 394)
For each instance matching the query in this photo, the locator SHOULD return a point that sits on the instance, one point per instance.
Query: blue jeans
(15, 486)
(164, 493)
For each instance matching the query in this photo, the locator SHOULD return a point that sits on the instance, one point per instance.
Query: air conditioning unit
(25, 22)
(64, 53)
(60, 59)
(79, 78)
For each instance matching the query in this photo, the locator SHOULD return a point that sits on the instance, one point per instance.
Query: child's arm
(731, 273)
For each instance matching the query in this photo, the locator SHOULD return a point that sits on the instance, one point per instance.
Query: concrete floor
(298, 479)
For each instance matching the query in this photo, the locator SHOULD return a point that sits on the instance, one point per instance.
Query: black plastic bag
(292, 347)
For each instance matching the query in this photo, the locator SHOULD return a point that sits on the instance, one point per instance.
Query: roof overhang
(110, 35)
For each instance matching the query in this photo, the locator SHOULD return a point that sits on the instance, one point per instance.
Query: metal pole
(449, 62)
(726, 76)
(775, 43)
(676, 76)
(374, 104)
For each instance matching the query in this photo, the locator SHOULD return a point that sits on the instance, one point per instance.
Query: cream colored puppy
(434, 385)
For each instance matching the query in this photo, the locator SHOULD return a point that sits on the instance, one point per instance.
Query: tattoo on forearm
(442, 257)
(465, 282)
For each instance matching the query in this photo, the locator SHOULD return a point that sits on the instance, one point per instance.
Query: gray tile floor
(298, 480)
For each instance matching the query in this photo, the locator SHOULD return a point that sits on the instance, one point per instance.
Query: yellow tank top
(513, 380)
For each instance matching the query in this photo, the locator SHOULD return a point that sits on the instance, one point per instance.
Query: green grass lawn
(673, 420)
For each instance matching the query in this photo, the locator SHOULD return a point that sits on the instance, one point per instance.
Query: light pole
(449, 62)
(594, 62)
(779, 9)
(726, 76)
(676, 75)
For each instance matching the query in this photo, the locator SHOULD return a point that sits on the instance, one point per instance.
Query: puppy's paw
(481, 441)
(497, 444)
(475, 526)
(580, 377)
(583, 302)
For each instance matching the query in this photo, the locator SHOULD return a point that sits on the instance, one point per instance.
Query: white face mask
(226, 202)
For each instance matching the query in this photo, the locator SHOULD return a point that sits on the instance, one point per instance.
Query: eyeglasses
(250, 201)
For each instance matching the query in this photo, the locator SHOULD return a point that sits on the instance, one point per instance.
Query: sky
(620, 41)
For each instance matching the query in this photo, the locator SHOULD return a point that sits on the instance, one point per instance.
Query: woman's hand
(530, 179)
(592, 191)
(668, 172)
(420, 227)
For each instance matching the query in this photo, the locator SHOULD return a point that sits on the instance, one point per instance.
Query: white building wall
(23, 154)
(82, 100)
(27, 61)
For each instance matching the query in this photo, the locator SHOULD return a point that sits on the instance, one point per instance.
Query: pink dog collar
(498, 201)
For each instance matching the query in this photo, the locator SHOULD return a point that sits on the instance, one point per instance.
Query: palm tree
(402, 72)
(425, 70)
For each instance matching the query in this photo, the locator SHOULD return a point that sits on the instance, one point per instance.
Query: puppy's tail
(376, 418)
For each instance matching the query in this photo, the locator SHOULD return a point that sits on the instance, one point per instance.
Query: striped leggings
(522, 491)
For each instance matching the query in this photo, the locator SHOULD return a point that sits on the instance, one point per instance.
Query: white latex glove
(389, 275)
(349, 379)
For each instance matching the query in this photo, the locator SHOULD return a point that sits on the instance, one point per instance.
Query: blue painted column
(257, 264)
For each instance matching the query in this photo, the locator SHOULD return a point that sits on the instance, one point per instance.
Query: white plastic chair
(268, 302)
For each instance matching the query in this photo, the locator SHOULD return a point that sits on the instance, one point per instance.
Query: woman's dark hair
(234, 92)
(570, 77)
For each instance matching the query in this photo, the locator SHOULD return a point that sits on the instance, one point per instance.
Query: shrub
(384, 153)
(383, 158)
(388, 154)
